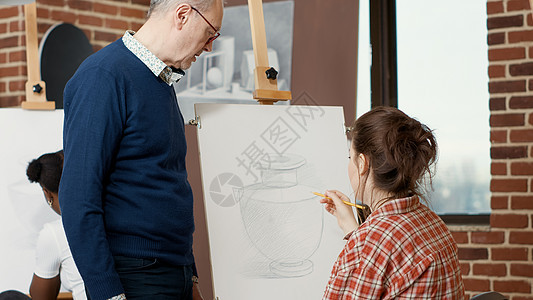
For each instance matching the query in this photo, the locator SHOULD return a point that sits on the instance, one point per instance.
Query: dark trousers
(152, 279)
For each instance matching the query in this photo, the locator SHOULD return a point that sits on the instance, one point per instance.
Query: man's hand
(196, 294)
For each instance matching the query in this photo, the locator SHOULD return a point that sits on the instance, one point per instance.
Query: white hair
(157, 6)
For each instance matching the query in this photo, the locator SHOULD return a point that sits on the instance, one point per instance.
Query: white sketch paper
(269, 236)
(25, 135)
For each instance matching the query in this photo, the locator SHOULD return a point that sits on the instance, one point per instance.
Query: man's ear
(182, 14)
(364, 164)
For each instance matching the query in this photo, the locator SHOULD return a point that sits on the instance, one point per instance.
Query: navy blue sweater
(124, 188)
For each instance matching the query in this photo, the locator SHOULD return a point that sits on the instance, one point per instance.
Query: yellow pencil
(345, 202)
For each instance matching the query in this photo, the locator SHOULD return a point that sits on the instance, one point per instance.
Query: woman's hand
(343, 213)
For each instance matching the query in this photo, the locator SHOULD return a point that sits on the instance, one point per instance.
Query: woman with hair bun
(402, 249)
(54, 262)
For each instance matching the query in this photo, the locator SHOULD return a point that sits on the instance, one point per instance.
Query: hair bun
(34, 170)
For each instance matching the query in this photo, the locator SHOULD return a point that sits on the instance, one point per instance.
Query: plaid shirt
(403, 250)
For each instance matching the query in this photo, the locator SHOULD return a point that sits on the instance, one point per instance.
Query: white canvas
(269, 236)
(25, 135)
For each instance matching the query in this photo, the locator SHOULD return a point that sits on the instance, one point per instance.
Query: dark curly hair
(400, 149)
(46, 170)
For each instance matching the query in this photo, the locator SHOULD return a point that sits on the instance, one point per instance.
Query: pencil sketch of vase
(282, 218)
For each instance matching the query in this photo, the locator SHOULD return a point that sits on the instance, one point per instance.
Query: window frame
(384, 79)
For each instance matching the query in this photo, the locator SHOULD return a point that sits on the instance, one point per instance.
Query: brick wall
(496, 257)
(500, 257)
(103, 21)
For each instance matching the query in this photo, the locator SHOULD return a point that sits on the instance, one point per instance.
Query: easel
(266, 84)
(35, 87)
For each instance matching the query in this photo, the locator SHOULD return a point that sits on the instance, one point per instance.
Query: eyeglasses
(217, 34)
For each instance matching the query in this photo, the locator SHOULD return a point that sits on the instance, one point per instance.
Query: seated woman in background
(54, 264)
(403, 249)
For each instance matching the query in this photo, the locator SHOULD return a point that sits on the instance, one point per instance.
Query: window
(442, 81)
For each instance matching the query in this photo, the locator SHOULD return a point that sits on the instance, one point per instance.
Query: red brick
(497, 71)
(496, 237)
(3, 27)
(90, 20)
(132, 12)
(460, 237)
(521, 69)
(135, 25)
(497, 103)
(63, 16)
(530, 19)
(521, 297)
(500, 120)
(507, 53)
(525, 270)
(524, 135)
(530, 121)
(42, 28)
(497, 38)
(53, 2)
(513, 5)
(96, 48)
(498, 168)
(518, 102)
(17, 56)
(106, 9)
(508, 185)
(9, 101)
(505, 22)
(509, 220)
(520, 237)
(2, 87)
(520, 36)
(16, 26)
(479, 285)
(9, 42)
(494, 7)
(496, 87)
(512, 286)
(3, 58)
(116, 24)
(531, 84)
(490, 269)
(80, 5)
(509, 254)
(498, 202)
(141, 2)
(508, 152)
(498, 136)
(465, 268)
(473, 253)
(105, 36)
(9, 71)
(17, 85)
(522, 202)
(522, 168)
(9, 11)
(43, 13)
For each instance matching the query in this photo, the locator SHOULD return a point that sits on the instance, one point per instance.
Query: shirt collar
(397, 206)
(157, 66)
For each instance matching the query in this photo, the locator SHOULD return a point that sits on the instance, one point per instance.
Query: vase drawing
(282, 218)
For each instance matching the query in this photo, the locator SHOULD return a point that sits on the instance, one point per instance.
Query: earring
(50, 201)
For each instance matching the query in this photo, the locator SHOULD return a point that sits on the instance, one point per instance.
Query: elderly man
(126, 202)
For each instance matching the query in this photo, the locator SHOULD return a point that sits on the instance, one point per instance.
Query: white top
(53, 255)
